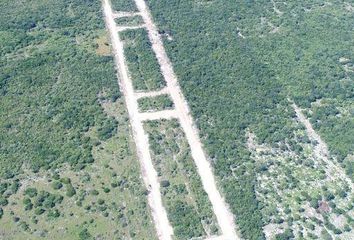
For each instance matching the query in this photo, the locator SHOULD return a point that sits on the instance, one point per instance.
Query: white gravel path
(181, 112)
(163, 227)
(222, 213)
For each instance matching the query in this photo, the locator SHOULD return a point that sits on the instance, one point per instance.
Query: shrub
(53, 214)
(31, 192)
(3, 201)
(57, 185)
(70, 191)
(84, 235)
(165, 183)
(94, 192)
(39, 211)
(65, 180)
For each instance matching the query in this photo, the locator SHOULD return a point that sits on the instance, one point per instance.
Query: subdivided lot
(162, 102)
(187, 204)
(124, 5)
(129, 21)
(142, 63)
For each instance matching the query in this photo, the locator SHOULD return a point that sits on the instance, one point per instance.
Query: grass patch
(161, 102)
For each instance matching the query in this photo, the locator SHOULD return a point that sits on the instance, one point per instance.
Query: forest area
(241, 63)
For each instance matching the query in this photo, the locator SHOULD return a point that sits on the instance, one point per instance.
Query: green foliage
(286, 235)
(70, 190)
(180, 181)
(157, 103)
(49, 83)
(85, 235)
(65, 180)
(142, 63)
(108, 129)
(57, 185)
(1, 212)
(94, 192)
(52, 214)
(3, 187)
(39, 211)
(28, 204)
(31, 192)
(129, 21)
(123, 5)
(234, 83)
(3, 201)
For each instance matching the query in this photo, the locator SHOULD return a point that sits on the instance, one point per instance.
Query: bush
(3, 201)
(57, 185)
(65, 180)
(165, 183)
(39, 211)
(94, 192)
(31, 192)
(84, 235)
(53, 214)
(70, 191)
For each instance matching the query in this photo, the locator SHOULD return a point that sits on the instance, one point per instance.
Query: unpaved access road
(181, 112)
(163, 227)
(222, 213)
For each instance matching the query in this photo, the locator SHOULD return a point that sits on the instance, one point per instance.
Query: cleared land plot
(129, 21)
(186, 202)
(162, 102)
(143, 66)
(123, 5)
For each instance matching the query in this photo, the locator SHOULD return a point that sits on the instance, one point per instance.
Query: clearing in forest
(179, 111)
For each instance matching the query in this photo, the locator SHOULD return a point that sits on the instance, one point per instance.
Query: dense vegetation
(239, 61)
(142, 63)
(123, 5)
(49, 84)
(60, 112)
(129, 21)
(161, 102)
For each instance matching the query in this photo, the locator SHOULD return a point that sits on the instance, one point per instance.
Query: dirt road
(223, 215)
(321, 149)
(181, 112)
(163, 227)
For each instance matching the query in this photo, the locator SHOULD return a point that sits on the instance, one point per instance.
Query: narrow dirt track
(321, 149)
(152, 93)
(165, 114)
(222, 213)
(163, 227)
